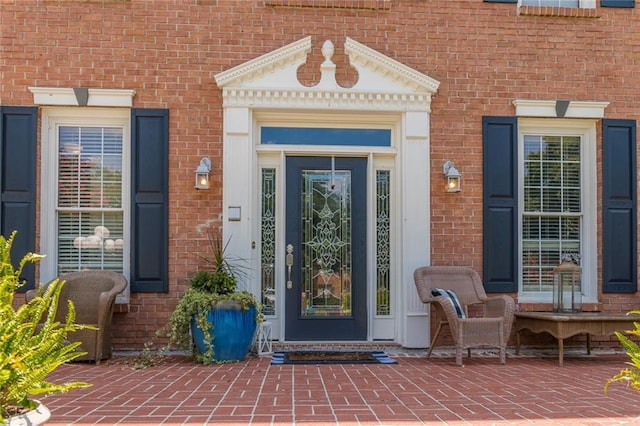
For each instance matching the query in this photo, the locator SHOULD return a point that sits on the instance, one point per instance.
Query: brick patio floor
(528, 390)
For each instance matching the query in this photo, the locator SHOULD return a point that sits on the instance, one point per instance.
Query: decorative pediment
(271, 80)
(274, 69)
(373, 67)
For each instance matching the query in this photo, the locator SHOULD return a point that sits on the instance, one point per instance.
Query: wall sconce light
(202, 174)
(453, 177)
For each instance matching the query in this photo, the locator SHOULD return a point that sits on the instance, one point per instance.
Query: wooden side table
(565, 325)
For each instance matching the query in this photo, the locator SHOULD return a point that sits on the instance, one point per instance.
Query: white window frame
(52, 119)
(586, 130)
(584, 4)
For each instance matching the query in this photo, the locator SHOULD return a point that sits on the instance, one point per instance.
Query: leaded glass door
(327, 239)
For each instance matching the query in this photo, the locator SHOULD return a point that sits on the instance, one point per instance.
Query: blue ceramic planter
(233, 331)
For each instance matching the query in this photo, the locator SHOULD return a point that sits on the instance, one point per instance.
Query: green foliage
(219, 282)
(32, 343)
(631, 374)
(210, 287)
(221, 271)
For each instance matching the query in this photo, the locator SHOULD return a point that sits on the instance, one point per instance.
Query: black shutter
(149, 192)
(18, 182)
(619, 207)
(500, 198)
(618, 3)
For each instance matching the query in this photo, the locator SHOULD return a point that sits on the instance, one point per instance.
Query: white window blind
(89, 207)
(552, 213)
(555, 3)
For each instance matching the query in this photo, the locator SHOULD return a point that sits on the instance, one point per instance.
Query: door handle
(289, 263)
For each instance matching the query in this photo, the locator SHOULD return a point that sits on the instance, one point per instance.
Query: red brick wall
(485, 55)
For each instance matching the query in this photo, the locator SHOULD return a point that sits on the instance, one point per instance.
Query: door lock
(289, 263)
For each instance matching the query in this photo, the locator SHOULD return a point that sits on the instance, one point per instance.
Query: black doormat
(331, 357)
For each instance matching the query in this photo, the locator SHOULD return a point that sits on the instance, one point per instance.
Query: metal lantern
(567, 287)
(452, 176)
(202, 174)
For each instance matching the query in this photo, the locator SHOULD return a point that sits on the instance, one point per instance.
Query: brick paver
(415, 391)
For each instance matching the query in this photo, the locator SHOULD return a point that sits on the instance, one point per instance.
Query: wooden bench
(565, 325)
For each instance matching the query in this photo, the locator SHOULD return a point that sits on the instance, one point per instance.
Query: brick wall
(485, 55)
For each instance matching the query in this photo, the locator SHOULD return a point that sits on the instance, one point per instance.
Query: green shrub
(32, 343)
(631, 374)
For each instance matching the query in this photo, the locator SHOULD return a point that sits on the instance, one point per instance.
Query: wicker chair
(93, 294)
(491, 321)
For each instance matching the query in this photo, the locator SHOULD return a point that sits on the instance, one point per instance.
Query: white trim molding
(69, 96)
(270, 80)
(553, 108)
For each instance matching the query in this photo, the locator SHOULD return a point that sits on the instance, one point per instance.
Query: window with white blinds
(583, 4)
(89, 206)
(554, 3)
(552, 212)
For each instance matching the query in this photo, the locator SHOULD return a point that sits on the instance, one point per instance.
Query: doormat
(332, 357)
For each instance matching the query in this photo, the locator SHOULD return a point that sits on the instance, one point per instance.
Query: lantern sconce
(202, 174)
(452, 175)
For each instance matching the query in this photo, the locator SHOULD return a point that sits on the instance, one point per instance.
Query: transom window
(324, 136)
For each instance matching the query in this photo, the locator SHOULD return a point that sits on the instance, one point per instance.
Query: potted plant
(214, 320)
(32, 343)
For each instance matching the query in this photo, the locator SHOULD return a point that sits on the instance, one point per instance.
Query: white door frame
(266, 89)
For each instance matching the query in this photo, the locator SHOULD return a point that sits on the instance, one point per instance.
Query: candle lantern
(567, 287)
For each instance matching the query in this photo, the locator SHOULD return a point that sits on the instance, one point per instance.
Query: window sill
(548, 307)
(335, 4)
(559, 12)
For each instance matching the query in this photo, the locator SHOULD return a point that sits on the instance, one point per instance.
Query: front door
(326, 237)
